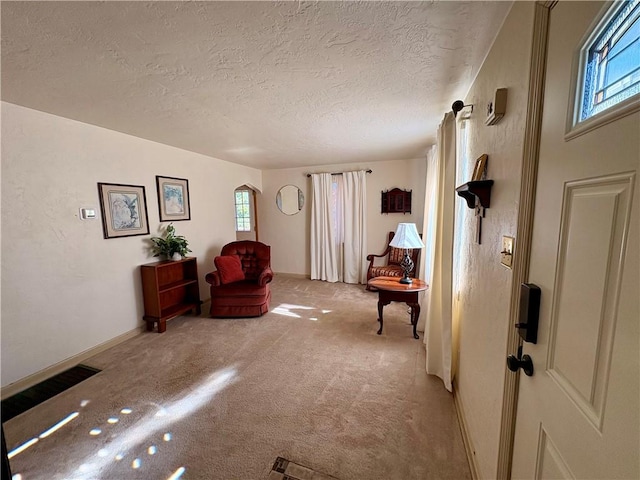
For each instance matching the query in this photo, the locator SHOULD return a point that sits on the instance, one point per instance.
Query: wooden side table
(391, 290)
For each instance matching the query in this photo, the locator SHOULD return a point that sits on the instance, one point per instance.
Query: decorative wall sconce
(458, 105)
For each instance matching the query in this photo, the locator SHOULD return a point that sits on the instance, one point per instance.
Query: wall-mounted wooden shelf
(480, 189)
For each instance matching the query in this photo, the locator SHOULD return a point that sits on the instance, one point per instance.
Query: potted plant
(172, 246)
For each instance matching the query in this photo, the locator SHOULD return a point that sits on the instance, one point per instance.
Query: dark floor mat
(29, 398)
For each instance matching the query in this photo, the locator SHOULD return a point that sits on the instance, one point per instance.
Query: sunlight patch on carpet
(286, 309)
(124, 446)
(284, 469)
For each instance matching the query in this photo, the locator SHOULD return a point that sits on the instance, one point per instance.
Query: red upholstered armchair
(240, 285)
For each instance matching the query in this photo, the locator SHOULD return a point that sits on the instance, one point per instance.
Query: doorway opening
(246, 217)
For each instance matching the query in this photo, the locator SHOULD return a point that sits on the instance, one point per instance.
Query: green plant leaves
(170, 244)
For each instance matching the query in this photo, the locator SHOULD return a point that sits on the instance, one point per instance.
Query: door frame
(522, 254)
(255, 213)
(253, 205)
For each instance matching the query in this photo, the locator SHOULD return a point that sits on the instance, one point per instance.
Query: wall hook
(458, 105)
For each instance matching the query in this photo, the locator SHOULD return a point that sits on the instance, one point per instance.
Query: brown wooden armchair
(392, 267)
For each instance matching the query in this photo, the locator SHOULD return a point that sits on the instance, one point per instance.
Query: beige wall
(66, 289)
(288, 235)
(484, 285)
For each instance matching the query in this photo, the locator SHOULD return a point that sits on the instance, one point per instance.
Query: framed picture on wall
(173, 199)
(481, 167)
(124, 210)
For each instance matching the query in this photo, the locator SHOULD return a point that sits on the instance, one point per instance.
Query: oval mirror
(290, 199)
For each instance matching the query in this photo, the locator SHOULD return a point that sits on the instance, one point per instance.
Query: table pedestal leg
(380, 308)
(415, 314)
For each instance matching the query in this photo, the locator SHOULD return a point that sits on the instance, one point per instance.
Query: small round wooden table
(391, 290)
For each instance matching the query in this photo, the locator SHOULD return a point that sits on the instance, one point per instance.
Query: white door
(578, 416)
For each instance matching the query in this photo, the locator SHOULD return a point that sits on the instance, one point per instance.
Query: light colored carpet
(221, 399)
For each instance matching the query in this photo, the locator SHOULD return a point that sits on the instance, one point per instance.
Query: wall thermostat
(87, 213)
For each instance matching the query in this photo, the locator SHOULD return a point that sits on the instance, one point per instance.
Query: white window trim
(236, 210)
(575, 128)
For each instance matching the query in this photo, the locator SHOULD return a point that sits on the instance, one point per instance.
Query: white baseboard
(60, 367)
(294, 275)
(466, 439)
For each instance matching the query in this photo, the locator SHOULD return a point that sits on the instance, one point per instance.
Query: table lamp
(406, 237)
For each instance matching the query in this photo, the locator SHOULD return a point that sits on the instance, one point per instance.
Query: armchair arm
(372, 256)
(265, 276)
(213, 278)
(370, 260)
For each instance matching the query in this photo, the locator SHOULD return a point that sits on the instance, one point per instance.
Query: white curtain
(428, 232)
(338, 227)
(324, 252)
(354, 201)
(438, 235)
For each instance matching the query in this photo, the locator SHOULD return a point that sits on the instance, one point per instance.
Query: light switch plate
(506, 254)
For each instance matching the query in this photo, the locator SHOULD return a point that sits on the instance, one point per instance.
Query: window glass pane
(626, 39)
(612, 71)
(243, 211)
(620, 65)
(622, 84)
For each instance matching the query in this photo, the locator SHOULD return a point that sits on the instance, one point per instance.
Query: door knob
(520, 362)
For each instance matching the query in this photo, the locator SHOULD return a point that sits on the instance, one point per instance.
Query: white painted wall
(288, 235)
(66, 289)
(485, 285)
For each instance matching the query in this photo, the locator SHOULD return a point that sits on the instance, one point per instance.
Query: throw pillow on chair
(230, 268)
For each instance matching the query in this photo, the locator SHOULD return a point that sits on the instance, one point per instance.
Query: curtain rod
(340, 173)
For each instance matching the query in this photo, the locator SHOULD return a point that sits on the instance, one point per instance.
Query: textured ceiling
(264, 84)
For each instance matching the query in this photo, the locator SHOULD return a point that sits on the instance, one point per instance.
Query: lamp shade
(406, 236)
